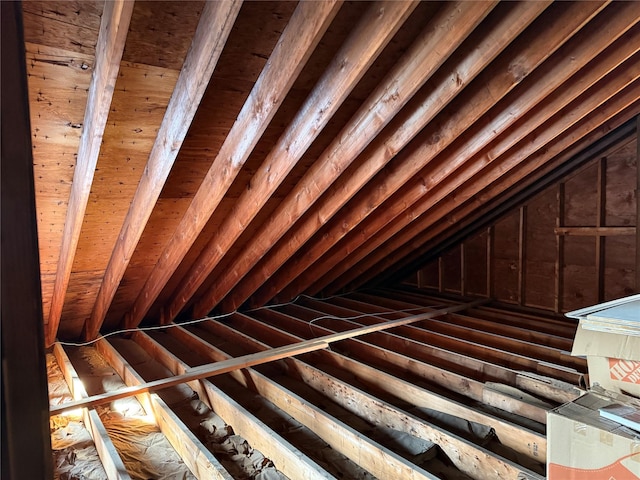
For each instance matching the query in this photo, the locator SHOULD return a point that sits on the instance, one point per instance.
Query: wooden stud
(522, 255)
(25, 430)
(304, 30)
(373, 32)
(559, 269)
(109, 456)
(193, 453)
(638, 204)
(601, 193)
(445, 31)
(490, 260)
(114, 27)
(214, 26)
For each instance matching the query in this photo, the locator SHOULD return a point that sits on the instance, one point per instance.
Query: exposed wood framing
(498, 205)
(25, 432)
(444, 128)
(520, 439)
(215, 24)
(288, 459)
(452, 23)
(114, 27)
(445, 91)
(111, 460)
(468, 457)
(638, 204)
(551, 75)
(195, 455)
(305, 30)
(559, 268)
(595, 231)
(623, 103)
(522, 255)
(422, 182)
(366, 41)
(250, 360)
(377, 459)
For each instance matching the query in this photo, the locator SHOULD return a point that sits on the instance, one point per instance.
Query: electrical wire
(225, 315)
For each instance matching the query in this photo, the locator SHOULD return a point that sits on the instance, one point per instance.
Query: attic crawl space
(316, 239)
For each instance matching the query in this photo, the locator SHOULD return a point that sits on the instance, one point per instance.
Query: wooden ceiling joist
(402, 239)
(114, 27)
(111, 460)
(484, 45)
(416, 167)
(214, 26)
(302, 34)
(534, 91)
(451, 24)
(468, 457)
(521, 440)
(285, 456)
(202, 463)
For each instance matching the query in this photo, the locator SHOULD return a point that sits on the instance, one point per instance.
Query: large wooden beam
(468, 457)
(426, 186)
(373, 32)
(25, 430)
(114, 27)
(214, 26)
(519, 438)
(109, 456)
(193, 453)
(287, 458)
(403, 244)
(298, 41)
(481, 48)
(448, 27)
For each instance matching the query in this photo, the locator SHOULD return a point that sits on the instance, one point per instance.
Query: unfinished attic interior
(315, 239)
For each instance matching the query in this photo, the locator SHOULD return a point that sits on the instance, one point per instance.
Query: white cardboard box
(582, 445)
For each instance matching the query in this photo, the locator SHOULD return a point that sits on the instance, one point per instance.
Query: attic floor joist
(369, 407)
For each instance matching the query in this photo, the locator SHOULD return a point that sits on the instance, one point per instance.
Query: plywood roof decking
(325, 171)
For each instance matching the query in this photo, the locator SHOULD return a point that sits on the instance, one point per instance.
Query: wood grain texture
(366, 41)
(25, 433)
(111, 39)
(307, 25)
(388, 98)
(210, 37)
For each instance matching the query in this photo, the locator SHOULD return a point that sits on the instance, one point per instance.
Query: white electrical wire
(225, 315)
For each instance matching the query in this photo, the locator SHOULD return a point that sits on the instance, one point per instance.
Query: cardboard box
(582, 445)
(613, 360)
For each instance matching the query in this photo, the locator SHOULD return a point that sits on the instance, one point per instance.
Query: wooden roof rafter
(114, 27)
(395, 90)
(369, 37)
(456, 168)
(538, 43)
(306, 27)
(214, 26)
